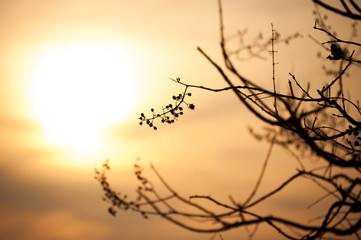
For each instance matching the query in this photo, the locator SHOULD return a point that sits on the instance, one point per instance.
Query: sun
(79, 89)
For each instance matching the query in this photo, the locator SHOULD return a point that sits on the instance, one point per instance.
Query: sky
(75, 76)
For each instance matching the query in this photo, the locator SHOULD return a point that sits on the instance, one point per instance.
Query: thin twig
(261, 174)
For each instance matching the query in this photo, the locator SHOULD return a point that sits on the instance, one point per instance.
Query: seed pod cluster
(170, 113)
(354, 134)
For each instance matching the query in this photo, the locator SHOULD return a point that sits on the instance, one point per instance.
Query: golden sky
(75, 76)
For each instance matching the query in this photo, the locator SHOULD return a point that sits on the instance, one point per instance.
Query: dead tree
(326, 125)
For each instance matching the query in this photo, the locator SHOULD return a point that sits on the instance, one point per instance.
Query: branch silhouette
(326, 125)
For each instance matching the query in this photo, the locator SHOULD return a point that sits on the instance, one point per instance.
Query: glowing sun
(79, 89)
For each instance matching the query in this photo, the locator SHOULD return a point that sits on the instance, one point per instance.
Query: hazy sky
(58, 122)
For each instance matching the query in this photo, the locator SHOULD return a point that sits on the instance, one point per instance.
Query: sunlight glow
(79, 89)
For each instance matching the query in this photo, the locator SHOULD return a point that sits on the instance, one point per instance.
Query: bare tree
(326, 125)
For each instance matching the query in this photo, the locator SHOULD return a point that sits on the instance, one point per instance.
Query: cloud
(55, 225)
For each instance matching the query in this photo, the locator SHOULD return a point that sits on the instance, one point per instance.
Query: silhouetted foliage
(326, 125)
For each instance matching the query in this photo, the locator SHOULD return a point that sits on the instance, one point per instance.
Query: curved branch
(338, 11)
